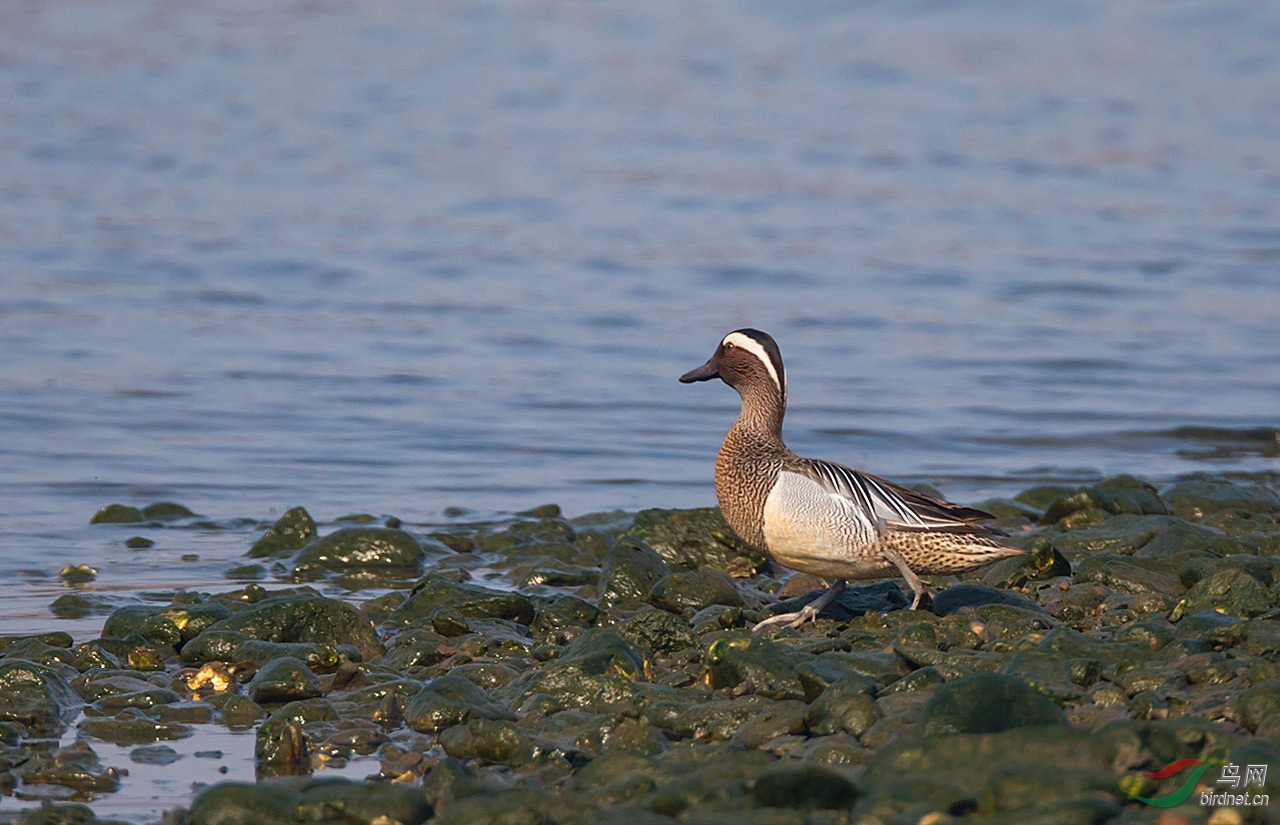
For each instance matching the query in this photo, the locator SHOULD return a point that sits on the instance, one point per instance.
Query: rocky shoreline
(552, 670)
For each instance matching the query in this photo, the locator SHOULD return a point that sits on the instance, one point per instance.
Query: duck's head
(746, 358)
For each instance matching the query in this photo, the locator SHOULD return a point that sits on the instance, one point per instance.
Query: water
(403, 257)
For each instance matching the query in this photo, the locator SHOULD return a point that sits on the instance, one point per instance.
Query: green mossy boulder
(470, 600)
(283, 679)
(117, 514)
(693, 539)
(629, 571)
(452, 700)
(304, 618)
(695, 589)
(1197, 498)
(36, 697)
(987, 703)
(291, 532)
(379, 552)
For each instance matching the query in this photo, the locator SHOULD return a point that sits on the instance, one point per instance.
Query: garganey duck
(823, 518)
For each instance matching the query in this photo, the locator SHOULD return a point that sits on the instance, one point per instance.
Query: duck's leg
(804, 614)
(913, 581)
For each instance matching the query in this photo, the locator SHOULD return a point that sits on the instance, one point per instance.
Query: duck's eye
(729, 345)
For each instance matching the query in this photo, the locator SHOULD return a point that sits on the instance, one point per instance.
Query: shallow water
(400, 258)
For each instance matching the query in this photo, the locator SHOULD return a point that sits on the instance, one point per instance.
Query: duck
(820, 517)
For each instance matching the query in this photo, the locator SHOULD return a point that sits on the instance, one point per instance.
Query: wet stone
(778, 719)
(770, 667)
(452, 700)
(957, 596)
(117, 514)
(805, 786)
(469, 600)
(1231, 591)
(284, 679)
(166, 511)
(987, 703)
(695, 589)
(375, 551)
(1196, 499)
(290, 532)
(241, 803)
(629, 571)
(312, 619)
(154, 755)
(36, 697)
(846, 706)
(362, 803)
(493, 740)
(695, 539)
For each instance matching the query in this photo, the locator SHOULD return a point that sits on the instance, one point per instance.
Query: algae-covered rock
(451, 700)
(166, 511)
(493, 740)
(566, 612)
(117, 514)
(695, 589)
(805, 786)
(290, 532)
(987, 703)
(245, 803)
(36, 697)
(846, 706)
(957, 596)
(375, 551)
(319, 658)
(470, 600)
(691, 539)
(657, 630)
(362, 803)
(1231, 591)
(1194, 499)
(770, 667)
(630, 570)
(172, 625)
(284, 679)
(304, 618)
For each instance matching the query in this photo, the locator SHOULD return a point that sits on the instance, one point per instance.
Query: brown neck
(762, 410)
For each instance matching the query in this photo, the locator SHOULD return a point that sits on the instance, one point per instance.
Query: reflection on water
(403, 257)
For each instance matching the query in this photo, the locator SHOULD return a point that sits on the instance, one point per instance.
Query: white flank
(752, 346)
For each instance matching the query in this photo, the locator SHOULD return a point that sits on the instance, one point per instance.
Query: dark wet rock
(146, 698)
(290, 532)
(1198, 569)
(566, 612)
(778, 719)
(469, 600)
(166, 511)
(957, 596)
(284, 679)
(695, 589)
(1127, 577)
(629, 571)
(656, 630)
(1138, 500)
(379, 552)
(1198, 498)
(805, 786)
(771, 668)
(312, 619)
(918, 680)
(987, 703)
(246, 803)
(117, 514)
(452, 700)
(319, 658)
(450, 779)
(281, 748)
(845, 706)
(556, 573)
(171, 625)
(718, 720)
(361, 803)
(855, 601)
(36, 697)
(55, 639)
(132, 726)
(1122, 535)
(34, 650)
(1184, 537)
(213, 646)
(693, 539)
(493, 740)
(154, 755)
(76, 768)
(817, 673)
(1231, 591)
(882, 667)
(1053, 674)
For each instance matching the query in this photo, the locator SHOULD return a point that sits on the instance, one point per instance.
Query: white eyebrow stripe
(753, 346)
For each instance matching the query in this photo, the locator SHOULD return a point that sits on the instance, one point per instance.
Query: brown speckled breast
(746, 470)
